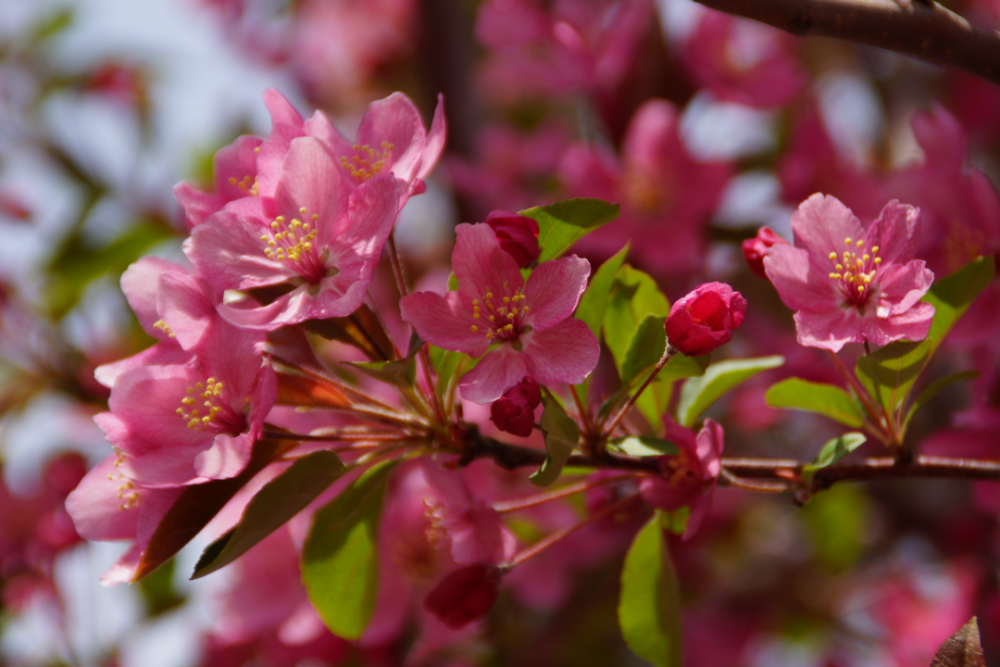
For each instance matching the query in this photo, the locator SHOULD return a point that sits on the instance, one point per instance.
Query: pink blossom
(530, 324)
(755, 249)
(688, 478)
(848, 285)
(665, 194)
(703, 320)
(186, 424)
(518, 236)
(464, 595)
(318, 237)
(514, 412)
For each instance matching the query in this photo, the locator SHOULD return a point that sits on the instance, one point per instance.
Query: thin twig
(519, 504)
(669, 352)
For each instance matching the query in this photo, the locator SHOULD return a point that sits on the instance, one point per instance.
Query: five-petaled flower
(848, 285)
(531, 324)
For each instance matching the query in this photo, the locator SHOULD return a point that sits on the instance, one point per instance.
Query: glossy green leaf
(340, 556)
(561, 434)
(563, 223)
(594, 301)
(952, 295)
(634, 297)
(936, 388)
(402, 372)
(644, 350)
(833, 451)
(275, 504)
(700, 393)
(889, 373)
(642, 445)
(824, 399)
(676, 521)
(649, 606)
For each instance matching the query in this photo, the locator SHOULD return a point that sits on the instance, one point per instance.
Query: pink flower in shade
(665, 194)
(743, 61)
(172, 306)
(176, 425)
(848, 285)
(514, 412)
(688, 478)
(755, 249)
(703, 320)
(531, 324)
(518, 236)
(464, 595)
(318, 236)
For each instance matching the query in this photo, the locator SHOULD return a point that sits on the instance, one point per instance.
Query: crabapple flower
(514, 412)
(518, 235)
(187, 424)
(464, 595)
(531, 324)
(755, 249)
(688, 478)
(317, 237)
(848, 285)
(704, 319)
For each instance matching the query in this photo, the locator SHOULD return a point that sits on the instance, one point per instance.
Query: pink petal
(161, 354)
(444, 322)
(830, 329)
(434, 143)
(226, 458)
(372, 210)
(554, 289)
(567, 353)
(709, 445)
(237, 161)
(900, 287)
(290, 308)
(941, 137)
(95, 507)
(281, 109)
(481, 265)
(271, 157)
(652, 135)
(197, 205)
(789, 270)
(913, 325)
(234, 357)
(395, 120)
(311, 179)
(141, 285)
(821, 225)
(495, 373)
(895, 232)
(185, 305)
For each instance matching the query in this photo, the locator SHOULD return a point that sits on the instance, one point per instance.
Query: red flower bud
(514, 412)
(464, 595)
(518, 235)
(704, 319)
(755, 249)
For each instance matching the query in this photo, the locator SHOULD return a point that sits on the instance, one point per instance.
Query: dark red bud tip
(704, 319)
(464, 595)
(514, 412)
(755, 249)
(518, 235)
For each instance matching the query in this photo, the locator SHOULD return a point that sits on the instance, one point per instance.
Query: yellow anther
(847, 241)
(874, 249)
(840, 267)
(833, 255)
(256, 150)
(475, 315)
(232, 181)
(275, 225)
(474, 328)
(524, 309)
(506, 285)
(859, 263)
(510, 316)
(878, 260)
(861, 242)
(190, 390)
(492, 319)
(302, 210)
(489, 295)
(199, 385)
(834, 275)
(315, 217)
(861, 288)
(866, 257)
(506, 299)
(489, 334)
(475, 302)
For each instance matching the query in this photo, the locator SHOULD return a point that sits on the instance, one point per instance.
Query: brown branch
(925, 30)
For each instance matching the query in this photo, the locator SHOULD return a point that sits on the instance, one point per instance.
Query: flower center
(291, 242)
(855, 273)
(212, 411)
(679, 469)
(127, 493)
(503, 318)
(366, 161)
(248, 184)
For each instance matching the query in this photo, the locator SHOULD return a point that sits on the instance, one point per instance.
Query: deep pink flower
(464, 595)
(514, 412)
(848, 285)
(176, 425)
(531, 324)
(703, 320)
(688, 478)
(518, 235)
(755, 249)
(318, 236)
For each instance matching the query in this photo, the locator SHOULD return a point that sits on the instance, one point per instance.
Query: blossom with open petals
(531, 324)
(849, 285)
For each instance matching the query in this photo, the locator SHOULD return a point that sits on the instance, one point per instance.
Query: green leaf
(889, 373)
(838, 520)
(450, 367)
(562, 224)
(649, 606)
(594, 301)
(340, 556)
(824, 399)
(452, 282)
(700, 393)
(644, 350)
(936, 388)
(561, 434)
(642, 445)
(402, 372)
(833, 451)
(634, 296)
(276, 503)
(676, 522)
(952, 295)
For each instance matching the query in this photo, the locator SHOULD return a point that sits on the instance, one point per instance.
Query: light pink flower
(318, 236)
(176, 425)
(531, 323)
(848, 285)
(689, 477)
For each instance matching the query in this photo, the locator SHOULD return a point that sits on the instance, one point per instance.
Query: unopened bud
(518, 235)
(514, 412)
(704, 319)
(755, 249)
(464, 595)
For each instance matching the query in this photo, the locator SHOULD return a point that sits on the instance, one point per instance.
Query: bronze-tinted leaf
(962, 649)
(306, 391)
(362, 329)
